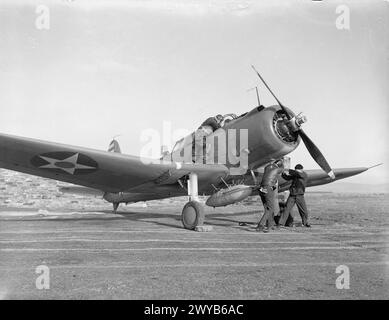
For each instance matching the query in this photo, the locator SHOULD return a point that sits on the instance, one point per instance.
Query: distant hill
(347, 187)
(17, 179)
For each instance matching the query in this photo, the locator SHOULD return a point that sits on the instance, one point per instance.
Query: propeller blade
(311, 147)
(274, 96)
(316, 154)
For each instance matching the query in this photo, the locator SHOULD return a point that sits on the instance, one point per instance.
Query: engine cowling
(269, 136)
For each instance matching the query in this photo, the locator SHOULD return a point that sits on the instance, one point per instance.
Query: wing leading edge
(319, 177)
(106, 171)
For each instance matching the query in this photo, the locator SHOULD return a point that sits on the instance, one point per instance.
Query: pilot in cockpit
(207, 127)
(228, 118)
(212, 124)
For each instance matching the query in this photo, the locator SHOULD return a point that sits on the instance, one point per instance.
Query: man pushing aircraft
(269, 195)
(299, 180)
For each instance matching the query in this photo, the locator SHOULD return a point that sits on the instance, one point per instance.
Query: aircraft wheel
(192, 215)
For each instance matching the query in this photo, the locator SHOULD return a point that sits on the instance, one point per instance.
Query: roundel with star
(73, 163)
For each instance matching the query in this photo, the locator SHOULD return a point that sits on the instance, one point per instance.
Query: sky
(105, 68)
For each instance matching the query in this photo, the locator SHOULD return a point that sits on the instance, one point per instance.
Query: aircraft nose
(295, 123)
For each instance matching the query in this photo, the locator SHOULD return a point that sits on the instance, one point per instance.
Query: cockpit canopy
(222, 121)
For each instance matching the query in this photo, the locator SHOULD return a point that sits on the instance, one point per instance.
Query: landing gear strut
(193, 212)
(115, 206)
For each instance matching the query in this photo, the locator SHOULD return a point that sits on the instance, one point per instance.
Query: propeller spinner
(294, 123)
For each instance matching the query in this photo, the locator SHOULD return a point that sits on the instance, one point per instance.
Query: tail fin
(114, 146)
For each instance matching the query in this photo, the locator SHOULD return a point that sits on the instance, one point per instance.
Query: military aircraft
(270, 132)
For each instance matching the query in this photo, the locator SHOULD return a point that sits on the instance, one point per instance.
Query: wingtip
(376, 165)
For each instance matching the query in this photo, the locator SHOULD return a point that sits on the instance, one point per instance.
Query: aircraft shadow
(140, 216)
(155, 217)
(216, 218)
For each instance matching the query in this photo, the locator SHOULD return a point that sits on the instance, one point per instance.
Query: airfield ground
(144, 253)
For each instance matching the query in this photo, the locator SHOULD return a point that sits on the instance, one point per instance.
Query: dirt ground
(142, 252)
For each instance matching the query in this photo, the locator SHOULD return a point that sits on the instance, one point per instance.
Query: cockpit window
(179, 144)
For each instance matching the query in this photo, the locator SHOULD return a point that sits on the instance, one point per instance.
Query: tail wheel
(192, 215)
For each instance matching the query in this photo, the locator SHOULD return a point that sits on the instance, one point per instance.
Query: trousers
(268, 201)
(301, 205)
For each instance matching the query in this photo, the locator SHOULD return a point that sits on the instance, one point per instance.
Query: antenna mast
(259, 103)
(256, 90)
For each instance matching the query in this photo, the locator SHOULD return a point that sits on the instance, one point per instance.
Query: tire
(192, 215)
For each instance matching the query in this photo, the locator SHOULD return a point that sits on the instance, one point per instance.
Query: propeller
(274, 96)
(316, 154)
(311, 147)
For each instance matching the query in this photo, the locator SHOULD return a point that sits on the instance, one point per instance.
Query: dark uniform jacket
(270, 175)
(299, 182)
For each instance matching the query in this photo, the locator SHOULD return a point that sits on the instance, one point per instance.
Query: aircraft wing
(319, 177)
(106, 171)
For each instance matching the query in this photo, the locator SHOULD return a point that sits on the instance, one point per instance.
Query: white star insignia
(68, 165)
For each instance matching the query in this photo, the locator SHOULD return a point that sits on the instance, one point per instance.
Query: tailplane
(114, 147)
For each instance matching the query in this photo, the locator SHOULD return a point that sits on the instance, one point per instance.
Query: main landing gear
(192, 215)
(115, 206)
(193, 212)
